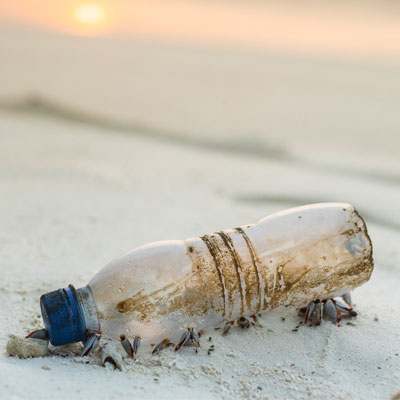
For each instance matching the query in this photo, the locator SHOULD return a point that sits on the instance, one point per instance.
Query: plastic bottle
(158, 290)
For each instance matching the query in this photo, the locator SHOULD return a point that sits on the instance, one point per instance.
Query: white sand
(74, 196)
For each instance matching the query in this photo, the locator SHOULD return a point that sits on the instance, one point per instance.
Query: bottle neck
(88, 307)
(68, 314)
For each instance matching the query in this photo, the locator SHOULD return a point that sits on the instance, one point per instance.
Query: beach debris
(111, 354)
(27, 347)
(230, 275)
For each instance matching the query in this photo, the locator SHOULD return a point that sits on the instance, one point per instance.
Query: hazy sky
(333, 27)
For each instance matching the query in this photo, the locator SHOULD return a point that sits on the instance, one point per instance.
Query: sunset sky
(332, 28)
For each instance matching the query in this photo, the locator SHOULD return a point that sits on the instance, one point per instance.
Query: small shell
(111, 354)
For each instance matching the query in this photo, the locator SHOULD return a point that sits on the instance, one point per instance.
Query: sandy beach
(94, 164)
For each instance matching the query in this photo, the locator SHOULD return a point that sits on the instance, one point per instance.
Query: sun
(89, 13)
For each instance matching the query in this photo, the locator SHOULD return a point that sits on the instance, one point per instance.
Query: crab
(130, 349)
(333, 309)
(92, 341)
(243, 322)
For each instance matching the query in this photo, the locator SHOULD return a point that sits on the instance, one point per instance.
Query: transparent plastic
(287, 259)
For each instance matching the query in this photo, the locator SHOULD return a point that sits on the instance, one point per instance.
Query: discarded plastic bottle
(157, 290)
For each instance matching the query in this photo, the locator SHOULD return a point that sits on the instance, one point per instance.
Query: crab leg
(345, 309)
(90, 344)
(255, 320)
(136, 345)
(309, 312)
(332, 311)
(126, 344)
(318, 313)
(195, 337)
(161, 346)
(182, 341)
(227, 327)
(38, 334)
(347, 298)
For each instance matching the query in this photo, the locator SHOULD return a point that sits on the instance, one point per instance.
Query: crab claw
(126, 344)
(161, 346)
(182, 341)
(309, 312)
(227, 327)
(90, 344)
(38, 334)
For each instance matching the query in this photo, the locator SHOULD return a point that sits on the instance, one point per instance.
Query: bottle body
(288, 259)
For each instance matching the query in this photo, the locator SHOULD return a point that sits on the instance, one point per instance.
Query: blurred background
(259, 76)
(254, 105)
(124, 122)
(193, 107)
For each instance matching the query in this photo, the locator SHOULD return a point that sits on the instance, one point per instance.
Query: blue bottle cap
(62, 316)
